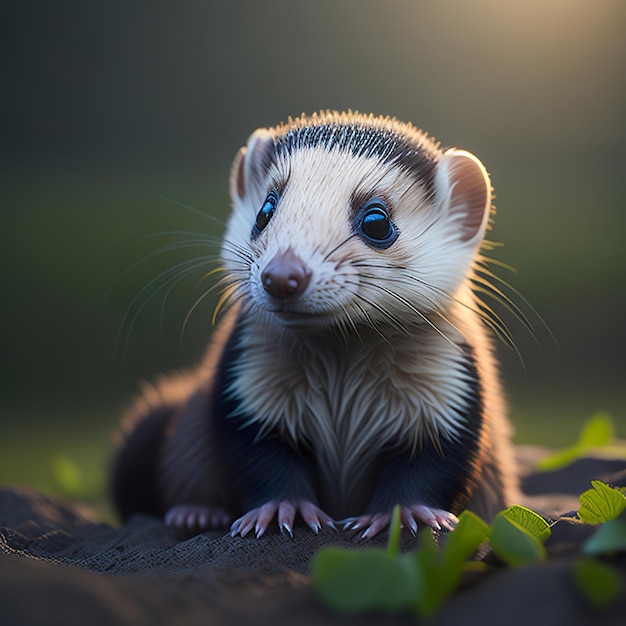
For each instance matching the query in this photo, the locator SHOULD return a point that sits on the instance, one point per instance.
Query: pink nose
(286, 275)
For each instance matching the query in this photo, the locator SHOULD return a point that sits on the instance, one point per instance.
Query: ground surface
(60, 566)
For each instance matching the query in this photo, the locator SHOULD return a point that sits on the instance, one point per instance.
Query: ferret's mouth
(302, 319)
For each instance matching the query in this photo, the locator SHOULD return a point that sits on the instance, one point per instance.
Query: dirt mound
(58, 565)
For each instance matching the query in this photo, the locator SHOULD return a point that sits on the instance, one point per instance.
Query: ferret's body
(353, 370)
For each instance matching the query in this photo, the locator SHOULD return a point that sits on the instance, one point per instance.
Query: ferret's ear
(463, 186)
(251, 164)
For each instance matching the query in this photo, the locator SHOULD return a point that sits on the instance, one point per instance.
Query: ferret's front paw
(197, 516)
(409, 517)
(260, 518)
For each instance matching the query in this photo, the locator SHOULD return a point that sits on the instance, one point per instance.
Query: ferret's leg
(430, 486)
(275, 481)
(436, 481)
(198, 490)
(271, 477)
(134, 480)
(166, 463)
(197, 516)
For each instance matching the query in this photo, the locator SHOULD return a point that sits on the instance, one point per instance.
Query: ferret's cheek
(255, 289)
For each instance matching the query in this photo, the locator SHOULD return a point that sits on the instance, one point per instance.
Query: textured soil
(58, 565)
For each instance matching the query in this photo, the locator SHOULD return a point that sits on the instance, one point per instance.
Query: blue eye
(375, 226)
(265, 213)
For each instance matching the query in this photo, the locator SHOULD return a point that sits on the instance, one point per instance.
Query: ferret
(353, 369)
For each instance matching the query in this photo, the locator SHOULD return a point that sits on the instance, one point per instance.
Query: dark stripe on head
(384, 138)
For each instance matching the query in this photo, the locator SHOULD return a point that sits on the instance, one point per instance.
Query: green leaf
(350, 581)
(67, 475)
(429, 591)
(601, 503)
(610, 537)
(597, 431)
(529, 521)
(513, 544)
(598, 582)
(560, 459)
(460, 544)
(441, 573)
(393, 547)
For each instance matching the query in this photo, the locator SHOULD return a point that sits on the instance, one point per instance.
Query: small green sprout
(608, 539)
(597, 432)
(351, 581)
(439, 572)
(601, 503)
(598, 582)
(67, 476)
(517, 536)
(356, 581)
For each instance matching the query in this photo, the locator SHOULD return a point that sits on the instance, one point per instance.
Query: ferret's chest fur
(348, 397)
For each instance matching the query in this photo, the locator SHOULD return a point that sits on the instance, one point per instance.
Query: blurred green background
(110, 106)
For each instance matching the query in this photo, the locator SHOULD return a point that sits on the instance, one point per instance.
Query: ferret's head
(345, 220)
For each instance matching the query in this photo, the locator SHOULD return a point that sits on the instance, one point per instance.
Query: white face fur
(353, 282)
